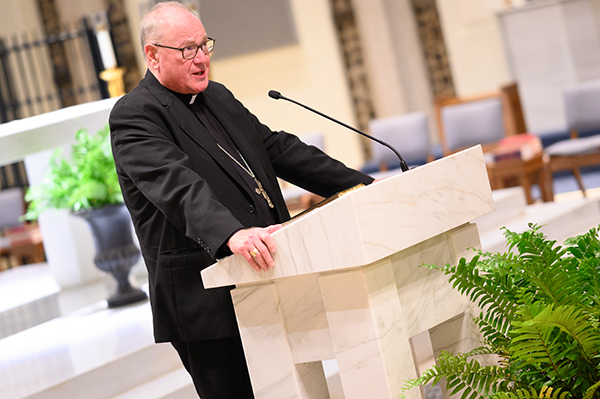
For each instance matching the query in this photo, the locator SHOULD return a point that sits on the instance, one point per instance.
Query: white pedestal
(348, 285)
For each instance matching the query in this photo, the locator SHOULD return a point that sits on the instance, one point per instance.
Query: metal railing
(31, 82)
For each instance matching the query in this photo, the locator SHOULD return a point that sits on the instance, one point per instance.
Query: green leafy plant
(87, 180)
(540, 316)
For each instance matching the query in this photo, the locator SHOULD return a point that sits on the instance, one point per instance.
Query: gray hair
(152, 23)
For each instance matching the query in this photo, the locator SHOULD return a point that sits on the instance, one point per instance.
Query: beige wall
(311, 72)
(596, 9)
(135, 15)
(72, 11)
(396, 69)
(474, 44)
(18, 16)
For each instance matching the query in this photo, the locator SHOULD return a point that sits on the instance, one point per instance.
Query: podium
(347, 284)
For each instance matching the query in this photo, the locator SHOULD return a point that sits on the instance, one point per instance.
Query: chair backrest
(582, 106)
(12, 207)
(408, 133)
(472, 122)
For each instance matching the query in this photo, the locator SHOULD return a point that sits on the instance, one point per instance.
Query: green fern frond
(532, 244)
(465, 278)
(559, 344)
(586, 249)
(585, 245)
(88, 179)
(553, 283)
(480, 351)
(463, 374)
(494, 328)
(590, 393)
(540, 314)
(573, 321)
(531, 393)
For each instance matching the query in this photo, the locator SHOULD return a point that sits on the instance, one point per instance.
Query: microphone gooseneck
(403, 165)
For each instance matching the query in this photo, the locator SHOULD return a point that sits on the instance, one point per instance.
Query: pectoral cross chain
(259, 187)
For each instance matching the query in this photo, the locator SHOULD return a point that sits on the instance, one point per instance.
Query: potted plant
(88, 186)
(540, 318)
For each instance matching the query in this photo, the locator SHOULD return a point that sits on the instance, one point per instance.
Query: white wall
(551, 45)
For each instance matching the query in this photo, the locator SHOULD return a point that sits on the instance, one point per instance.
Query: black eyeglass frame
(209, 49)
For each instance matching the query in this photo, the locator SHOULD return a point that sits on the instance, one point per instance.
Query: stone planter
(115, 251)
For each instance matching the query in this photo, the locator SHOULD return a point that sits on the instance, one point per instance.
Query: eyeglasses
(190, 52)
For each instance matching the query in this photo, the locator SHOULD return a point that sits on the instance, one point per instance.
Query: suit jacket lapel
(188, 122)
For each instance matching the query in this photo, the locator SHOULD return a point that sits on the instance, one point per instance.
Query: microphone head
(274, 94)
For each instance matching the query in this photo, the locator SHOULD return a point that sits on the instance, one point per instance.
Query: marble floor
(70, 345)
(54, 341)
(82, 334)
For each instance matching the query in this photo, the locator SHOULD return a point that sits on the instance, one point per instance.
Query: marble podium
(347, 284)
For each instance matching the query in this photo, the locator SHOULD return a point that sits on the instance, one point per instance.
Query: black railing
(27, 82)
(30, 84)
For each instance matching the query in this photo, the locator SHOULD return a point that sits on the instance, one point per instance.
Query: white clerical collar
(193, 99)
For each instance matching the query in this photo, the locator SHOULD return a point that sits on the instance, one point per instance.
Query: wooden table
(515, 171)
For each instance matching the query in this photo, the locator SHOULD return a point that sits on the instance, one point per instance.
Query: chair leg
(526, 184)
(579, 179)
(546, 184)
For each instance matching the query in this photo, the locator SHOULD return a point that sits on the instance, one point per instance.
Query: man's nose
(200, 57)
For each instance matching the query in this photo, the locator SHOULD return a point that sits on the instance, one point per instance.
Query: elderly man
(199, 175)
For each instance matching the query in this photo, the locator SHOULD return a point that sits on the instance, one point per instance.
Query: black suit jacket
(186, 198)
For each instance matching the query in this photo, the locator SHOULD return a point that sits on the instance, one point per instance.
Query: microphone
(403, 165)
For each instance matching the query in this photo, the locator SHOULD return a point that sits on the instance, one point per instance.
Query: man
(199, 175)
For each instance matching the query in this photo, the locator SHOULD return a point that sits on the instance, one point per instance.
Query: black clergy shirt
(267, 215)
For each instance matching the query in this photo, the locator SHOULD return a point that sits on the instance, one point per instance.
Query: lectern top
(373, 222)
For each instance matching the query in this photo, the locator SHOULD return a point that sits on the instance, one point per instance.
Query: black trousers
(218, 368)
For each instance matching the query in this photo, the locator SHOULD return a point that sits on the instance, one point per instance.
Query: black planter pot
(115, 251)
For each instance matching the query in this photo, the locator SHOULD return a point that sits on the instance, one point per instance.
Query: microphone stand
(403, 165)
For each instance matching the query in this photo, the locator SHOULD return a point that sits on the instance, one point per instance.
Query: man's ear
(151, 56)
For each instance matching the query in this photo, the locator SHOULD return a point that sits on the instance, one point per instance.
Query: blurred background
(397, 69)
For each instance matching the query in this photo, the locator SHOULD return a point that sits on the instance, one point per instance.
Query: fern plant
(87, 180)
(540, 317)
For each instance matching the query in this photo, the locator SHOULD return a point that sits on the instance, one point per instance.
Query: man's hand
(256, 245)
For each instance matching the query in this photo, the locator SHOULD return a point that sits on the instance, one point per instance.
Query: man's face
(168, 65)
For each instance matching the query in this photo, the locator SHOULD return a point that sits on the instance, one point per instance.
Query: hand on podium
(256, 245)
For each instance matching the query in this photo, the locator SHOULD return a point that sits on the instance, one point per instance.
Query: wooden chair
(487, 119)
(582, 113)
(500, 111)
